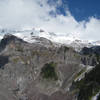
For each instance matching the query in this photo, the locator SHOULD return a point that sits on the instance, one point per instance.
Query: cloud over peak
(45, 14)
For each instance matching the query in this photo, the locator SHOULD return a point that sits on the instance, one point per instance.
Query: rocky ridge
(21, 64)
(31, 34)
(20, 69)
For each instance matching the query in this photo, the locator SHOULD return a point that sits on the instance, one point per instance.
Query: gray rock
(20, 78)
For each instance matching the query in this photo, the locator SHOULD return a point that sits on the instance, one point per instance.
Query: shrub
(90, 85)
(48, 71)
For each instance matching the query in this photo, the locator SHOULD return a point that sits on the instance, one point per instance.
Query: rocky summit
(41, 70)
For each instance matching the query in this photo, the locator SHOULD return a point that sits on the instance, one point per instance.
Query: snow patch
(70, 39)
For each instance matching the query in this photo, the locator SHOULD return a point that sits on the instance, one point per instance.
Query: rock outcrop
(20, 70)
(21, 64)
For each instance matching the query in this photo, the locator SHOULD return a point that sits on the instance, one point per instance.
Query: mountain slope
(21, 64)
(33, 67)
(68, 39)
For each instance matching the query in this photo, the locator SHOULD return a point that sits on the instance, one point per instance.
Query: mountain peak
(30, 35)
(7, 39)
(8, 35)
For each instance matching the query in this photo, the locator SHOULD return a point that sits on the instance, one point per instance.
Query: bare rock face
(21, 64)
(90, 56)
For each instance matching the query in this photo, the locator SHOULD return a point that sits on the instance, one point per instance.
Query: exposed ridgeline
(34, 71)
(39, 70)
(8, 38)
(92, 50)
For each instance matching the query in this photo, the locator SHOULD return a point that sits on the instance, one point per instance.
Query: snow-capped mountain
(23, 64)
(31, 34)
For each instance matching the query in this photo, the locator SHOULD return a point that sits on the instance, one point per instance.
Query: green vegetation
(80, 73)
(83, 70)
(98, 98)
(98, 57)
(48, 71)
(89, 85)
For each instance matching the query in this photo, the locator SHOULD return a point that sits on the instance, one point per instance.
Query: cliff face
(20, 70)
(21, 65)
(90, 56)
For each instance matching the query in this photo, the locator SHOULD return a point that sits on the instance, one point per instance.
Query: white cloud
(19, 13)
(92, 30)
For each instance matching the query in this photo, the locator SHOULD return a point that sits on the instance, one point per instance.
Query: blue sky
(80, 17)
(83, 9)
(80, 9)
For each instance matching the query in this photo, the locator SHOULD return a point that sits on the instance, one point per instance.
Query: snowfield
(69, 39)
